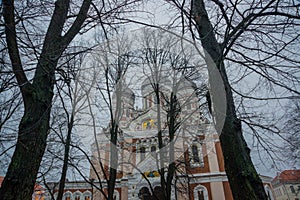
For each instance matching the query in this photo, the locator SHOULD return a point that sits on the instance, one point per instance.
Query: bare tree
(10, 108)
(74, 92)
(10, 103)
(113, 60)
(173, 69)
(255, 37)
(37, 96)
(34, 53)
(167, 68)
(156, 55)
(151, 59)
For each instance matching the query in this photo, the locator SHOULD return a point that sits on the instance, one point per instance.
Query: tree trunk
(113, 161)
(114, 129)
(66, 160)
(173, 126)
(32, 135)
(159, 133)
(23, 169)
(244, 181)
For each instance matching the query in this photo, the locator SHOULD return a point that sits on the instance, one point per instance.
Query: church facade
(139, 157)
(197, 152)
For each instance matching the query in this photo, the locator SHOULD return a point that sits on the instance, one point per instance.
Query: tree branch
(74, 29)
(11, 40)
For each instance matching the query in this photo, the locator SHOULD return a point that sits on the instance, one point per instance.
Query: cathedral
(146, 144)
(195, 148)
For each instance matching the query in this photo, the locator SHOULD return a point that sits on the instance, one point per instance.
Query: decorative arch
(87, 195)
(269, 192)
(196, 154)
(116, 195)
(77, 195)
(55, 195)
(153, 148)
(142, 153)
(68, 195)
(144, 185)
(200, 193)
(144, 193)
(158, 192)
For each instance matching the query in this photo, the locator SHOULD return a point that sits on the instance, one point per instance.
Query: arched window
(150, 101)
(195, 153)
(144, 193)
(67, 196)
(200, 193)
(153, 148)
(142, 153)
(292, 189)
(77, 196)
(145, 103)
(269, 193)
(87, 195)
(158, 193)
(116, 195)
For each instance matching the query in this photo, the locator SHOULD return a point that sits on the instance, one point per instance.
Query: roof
(288, 176)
